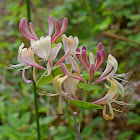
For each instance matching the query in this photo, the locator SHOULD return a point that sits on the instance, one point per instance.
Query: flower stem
(34, 84)
(81, 112)
(76, 124)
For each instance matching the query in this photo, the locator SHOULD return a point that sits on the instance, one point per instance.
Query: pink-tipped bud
(103, 54)
(84, 48)
(28, 34)
(98, 59)
(32, 31)
(100, 46)
(57, 28)
(91, 72)
(84, 57)
(77, 49)
(64, 25)
(63, 29)
(51, 25)
(80, 59)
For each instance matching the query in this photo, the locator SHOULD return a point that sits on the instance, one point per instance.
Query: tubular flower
(57, 84)
(42, 46)
(109, 98)
(91, 66)
(26, 58)
(43, 49)
(70, 45)
(101, 55)
(29, 32)
(70, 86)
(110, 70)
(76, 75)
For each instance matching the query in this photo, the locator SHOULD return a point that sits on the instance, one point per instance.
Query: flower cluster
(65, 83)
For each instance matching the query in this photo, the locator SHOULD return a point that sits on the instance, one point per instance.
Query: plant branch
(81, 112)
(34, 84)
(76, 124)
(112, 35)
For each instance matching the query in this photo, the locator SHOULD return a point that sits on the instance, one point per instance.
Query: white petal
(42, 47)
(55, 51)
(20, 48)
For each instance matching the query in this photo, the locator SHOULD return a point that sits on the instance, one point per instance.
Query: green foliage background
(115, 23)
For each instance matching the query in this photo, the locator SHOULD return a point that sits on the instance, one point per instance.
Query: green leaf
(85, 105)
(56, 70)
(88, 87)
(45, 80)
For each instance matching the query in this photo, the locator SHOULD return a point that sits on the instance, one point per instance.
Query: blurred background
(115, 23)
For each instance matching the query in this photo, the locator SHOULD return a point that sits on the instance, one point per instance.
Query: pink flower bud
(51, 25)
(91, 72)
(98, 59)
(84, 57)
(100, 46)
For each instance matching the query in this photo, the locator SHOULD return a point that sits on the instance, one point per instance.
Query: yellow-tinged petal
(57, 83)
(114, 89)
(60, 110)
(105, 115)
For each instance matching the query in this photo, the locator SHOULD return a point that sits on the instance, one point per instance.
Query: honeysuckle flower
(110, 70)
(57, 84)
(70, 86)
(29, 32)
(91, 66)
(26, 59)
(101, 55)
(42, 46)
(70, 45)
(109, 98)
(64, 86)
(43, 49)
(76, 75)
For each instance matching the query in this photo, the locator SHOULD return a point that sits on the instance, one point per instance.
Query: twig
(120, 37)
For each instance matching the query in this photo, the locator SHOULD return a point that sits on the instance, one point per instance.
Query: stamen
(119, 102)
(117, 110)
(120, 75)
(122, 80)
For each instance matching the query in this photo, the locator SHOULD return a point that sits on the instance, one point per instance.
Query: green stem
(34, 84)
(81, 112)
(76, 124)
(36, 109)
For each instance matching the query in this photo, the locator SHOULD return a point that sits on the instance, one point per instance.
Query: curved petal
(48, 68)
(24, 78)
(66, 72)
(57, 83)
(54, 52)
(120, 86)
(70, 85)
(28, 58)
